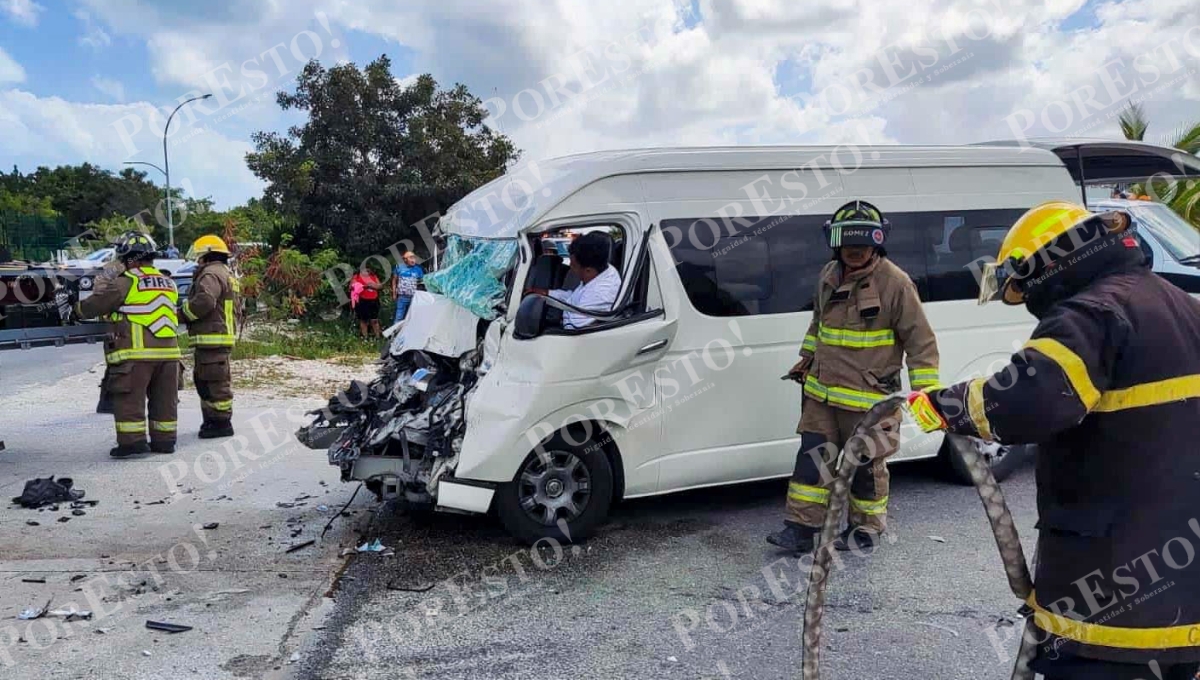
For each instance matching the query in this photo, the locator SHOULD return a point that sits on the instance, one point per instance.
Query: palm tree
(1182, 197)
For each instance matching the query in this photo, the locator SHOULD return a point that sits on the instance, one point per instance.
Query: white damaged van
(486, 402)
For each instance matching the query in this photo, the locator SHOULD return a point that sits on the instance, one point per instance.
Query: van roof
(505, 206)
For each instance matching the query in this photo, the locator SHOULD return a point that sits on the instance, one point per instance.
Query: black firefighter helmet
(134, 245)
(857, 223)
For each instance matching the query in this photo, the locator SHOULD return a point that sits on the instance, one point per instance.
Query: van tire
(1005, 465)
(593, 466)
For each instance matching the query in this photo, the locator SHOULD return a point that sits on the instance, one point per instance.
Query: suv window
(767, 265)
(956, 240)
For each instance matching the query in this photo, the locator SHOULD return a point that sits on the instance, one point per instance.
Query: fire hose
(861, 449)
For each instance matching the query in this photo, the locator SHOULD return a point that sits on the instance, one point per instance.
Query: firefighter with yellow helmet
(142, 353)
(1109, 388)
(210, 313)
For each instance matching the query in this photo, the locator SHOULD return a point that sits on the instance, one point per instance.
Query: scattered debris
(372, 547)
(78, 513)
(45, 491)
(75, 505)
(31, 614)
(939, 539)
(842, 629)
(64, 519)
(157, 503)
(322, 508)
(145, 652)
(167, 627)
(283, 576)
(281, 504)
(405, 589)
(39, 579)
(222, 497)
(294, 658)
(297, 531)
(71, 615)
(299, 546)
(78, 577)
(101, 631)
(32, 523)
(211, 525)
(304, 497)
(672, 659)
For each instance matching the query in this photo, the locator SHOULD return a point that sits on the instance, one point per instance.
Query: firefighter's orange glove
(925, 413)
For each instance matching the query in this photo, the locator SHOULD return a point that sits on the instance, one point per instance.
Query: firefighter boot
(126, 450)
(215, 430)
(857, 539)
(795, 538)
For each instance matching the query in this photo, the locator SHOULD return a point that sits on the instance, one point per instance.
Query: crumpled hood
(435, 324)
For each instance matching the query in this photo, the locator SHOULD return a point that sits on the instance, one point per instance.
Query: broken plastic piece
(71, 614)
(167, 627)
(44, 491)
(405, 589)
(31, 614)
(211, 525)
(39, 579)
(372, 547)
(298, 546)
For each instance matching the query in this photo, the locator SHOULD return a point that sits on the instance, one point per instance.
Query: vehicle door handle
(653, 346)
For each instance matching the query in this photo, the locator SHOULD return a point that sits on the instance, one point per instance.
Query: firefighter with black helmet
(1109, 389)
(210, 313)
(866, 317)
(142, 353)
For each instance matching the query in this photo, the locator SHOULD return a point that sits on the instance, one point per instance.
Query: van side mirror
(531, 316)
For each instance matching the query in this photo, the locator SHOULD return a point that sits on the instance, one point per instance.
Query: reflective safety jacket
(863, 325)
(1109, 388)
(141, 305)
(210, 309)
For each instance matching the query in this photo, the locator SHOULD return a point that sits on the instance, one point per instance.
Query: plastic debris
(78, 577)
(167, 627)
(39, 579)
(64, 519)
(376, 547)
(146, 652)
(281, 504)
(211, 525)
(299, 546)
(939, 539)
(295, 657)
(31, 614)
(71, 614)
(33, 523)
(406, 589)
(45, 491)
(322, 508)
(78, 513)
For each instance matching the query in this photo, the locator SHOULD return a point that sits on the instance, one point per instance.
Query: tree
(373, 158)
(1183, 199)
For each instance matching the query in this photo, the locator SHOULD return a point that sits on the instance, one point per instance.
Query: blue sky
(87, 79)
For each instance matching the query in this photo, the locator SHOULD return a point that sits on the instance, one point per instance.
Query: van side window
(956, 240)
(766, 265)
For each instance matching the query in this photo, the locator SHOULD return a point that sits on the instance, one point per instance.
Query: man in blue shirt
(406, 277)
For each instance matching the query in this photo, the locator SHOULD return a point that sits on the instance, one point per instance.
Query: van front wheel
(560, 485)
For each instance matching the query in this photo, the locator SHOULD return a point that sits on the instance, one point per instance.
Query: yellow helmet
(209, 243)
(1040, 226)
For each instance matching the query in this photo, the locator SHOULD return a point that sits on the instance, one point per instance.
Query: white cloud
(50, 131)
(93, 36)
(113, 88)
(23, 12)
(10, 70)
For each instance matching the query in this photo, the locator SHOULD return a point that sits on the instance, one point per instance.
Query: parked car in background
(183, 278)
(1174, 244)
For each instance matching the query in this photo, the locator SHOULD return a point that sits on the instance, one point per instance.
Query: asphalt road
(22, 369)
(677, 587)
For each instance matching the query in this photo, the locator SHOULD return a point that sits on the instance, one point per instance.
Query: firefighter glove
(920, 405)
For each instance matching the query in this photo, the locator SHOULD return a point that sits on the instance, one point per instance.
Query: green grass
(308, 340)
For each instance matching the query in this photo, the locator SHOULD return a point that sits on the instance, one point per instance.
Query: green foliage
(1182, 197)
(291, 283)
(373, 157)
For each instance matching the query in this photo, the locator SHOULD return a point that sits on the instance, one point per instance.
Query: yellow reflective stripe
(131, 427)
(213, 340)
(810, 343)
(163, 425)
(229, 318)
(808, 494)
(977, 409)
(1072, 365)
(923, 377)
(1171, 637)
(1150, 394)
(152, 354)
(867, 507)
(187, 310)
(845, 337)
(842, 395)
(226, 405)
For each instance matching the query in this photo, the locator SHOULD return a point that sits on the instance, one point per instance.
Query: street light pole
(167, 165)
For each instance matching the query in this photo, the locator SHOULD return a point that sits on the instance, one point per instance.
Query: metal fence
(31, 237)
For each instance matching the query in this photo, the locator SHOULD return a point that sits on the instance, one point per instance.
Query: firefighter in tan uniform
(866, 317)
(209, 312)
(143, 351)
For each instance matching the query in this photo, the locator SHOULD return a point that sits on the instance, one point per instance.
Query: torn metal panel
(435, 324)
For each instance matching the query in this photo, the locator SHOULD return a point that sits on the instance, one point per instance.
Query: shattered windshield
(472, 275)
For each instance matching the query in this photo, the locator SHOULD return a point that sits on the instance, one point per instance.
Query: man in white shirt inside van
(599, 282)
